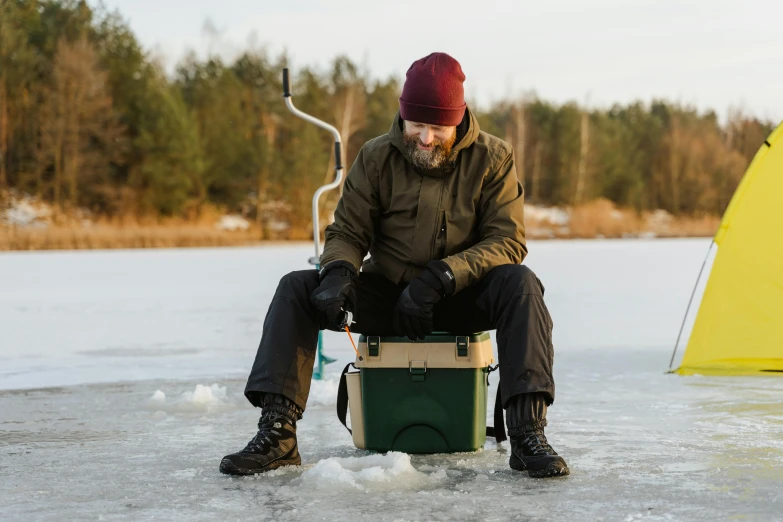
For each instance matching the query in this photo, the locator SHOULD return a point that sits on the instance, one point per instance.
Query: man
(438, 205)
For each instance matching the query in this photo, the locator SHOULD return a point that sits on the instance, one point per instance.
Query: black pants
(510, 299)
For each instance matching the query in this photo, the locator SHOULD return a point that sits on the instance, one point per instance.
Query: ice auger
(320, 358)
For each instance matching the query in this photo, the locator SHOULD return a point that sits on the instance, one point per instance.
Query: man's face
(429, 146)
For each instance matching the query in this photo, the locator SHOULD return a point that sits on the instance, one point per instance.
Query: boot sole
(555, 469)
(228, 468)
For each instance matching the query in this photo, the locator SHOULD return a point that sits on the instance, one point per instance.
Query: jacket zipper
(439, 224)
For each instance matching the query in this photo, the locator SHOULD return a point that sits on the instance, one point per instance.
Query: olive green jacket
(468, 213)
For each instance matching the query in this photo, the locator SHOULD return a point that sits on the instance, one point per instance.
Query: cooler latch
(462, 346)
(418, 370)
(373, 346)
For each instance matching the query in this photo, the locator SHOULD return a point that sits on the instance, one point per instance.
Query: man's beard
(429, 159)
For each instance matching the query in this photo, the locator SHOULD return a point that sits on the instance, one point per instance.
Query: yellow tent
(739, 326)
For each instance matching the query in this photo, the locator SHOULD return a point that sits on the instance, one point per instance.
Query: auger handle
(286, 84)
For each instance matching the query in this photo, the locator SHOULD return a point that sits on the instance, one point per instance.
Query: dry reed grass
(599, 218)
(136, 236)
(704, 226)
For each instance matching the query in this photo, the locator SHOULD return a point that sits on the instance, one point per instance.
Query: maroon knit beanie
(433, 91)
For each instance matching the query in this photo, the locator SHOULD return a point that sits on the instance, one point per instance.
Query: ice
(122, 376)
(69, 318)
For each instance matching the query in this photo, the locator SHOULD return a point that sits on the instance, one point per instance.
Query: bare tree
(519, 147)
(536, 181)
(674, 139)
(3, 132)
(270, 122)
(9, 43)
(80, 135)
(515, 135)
(350, 104)
(583, 151)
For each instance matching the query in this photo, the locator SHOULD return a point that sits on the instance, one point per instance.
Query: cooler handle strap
(342, 397)
(498, 430)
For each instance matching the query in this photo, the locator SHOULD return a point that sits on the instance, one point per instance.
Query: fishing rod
(321, 359)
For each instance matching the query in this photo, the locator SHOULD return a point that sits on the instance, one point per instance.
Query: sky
(715, 54)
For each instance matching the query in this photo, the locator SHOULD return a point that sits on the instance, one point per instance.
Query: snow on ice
(362, 473)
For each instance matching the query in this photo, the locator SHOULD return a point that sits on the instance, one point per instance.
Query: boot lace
(268, 434)
(537, 444)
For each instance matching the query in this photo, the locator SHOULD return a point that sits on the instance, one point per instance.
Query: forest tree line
(90, 120)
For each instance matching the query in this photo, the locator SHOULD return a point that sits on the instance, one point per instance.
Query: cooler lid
(439, 350)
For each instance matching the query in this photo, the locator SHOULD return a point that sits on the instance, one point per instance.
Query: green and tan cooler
(426, 396)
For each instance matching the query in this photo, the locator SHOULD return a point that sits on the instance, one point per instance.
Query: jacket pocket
(460, 233)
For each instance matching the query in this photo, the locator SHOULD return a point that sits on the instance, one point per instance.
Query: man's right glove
(413, 315)
(337, 291)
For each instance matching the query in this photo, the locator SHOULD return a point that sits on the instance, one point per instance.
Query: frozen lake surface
(121, 377)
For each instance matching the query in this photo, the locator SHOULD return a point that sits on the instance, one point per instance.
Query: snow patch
(550, 215)
(205, 396)
(390, 471)
(200, 399)
(26, 211)
(279, 472)
(232, 222)
(439, 475)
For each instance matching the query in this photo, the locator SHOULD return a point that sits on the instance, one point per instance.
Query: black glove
(413, 314)
(337, 291)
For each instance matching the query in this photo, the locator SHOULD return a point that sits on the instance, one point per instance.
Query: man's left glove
(413, 315)
(337, 291)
